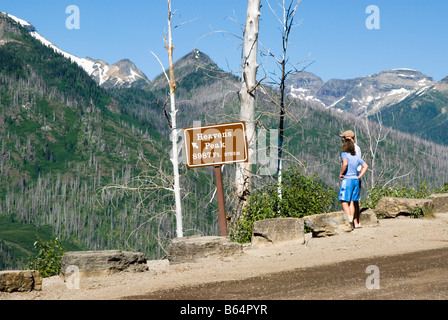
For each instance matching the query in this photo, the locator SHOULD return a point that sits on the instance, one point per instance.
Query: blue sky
(412, 33)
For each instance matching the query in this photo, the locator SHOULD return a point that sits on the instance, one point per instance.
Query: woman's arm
(343, 168)
(363, 170)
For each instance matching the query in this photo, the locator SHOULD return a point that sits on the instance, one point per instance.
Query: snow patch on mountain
(303, 94)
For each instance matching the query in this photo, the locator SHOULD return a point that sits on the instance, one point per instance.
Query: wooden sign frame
(217, 144)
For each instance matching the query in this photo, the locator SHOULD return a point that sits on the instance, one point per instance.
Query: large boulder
(368, 218)
(440, 201)
(99, 263)
(195, 248)
(277, 230)
(391, 207)
(328, 224)
(20, 280)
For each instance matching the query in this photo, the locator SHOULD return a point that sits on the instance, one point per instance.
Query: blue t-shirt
(352, 164)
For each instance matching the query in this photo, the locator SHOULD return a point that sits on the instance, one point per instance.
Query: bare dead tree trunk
(286, 19)
(281, 124)
(247, 98)
(174, 131)
(374, 138)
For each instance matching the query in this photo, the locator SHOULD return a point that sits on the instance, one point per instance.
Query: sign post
(221, 202)
(215, 145)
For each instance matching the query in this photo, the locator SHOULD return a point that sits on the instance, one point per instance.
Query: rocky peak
(442, 85)
(304, 86)
(405, 78)
(196, 58)
(123, 73)
(190, 63)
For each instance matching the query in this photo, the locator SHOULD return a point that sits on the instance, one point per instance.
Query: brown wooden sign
(214, 145)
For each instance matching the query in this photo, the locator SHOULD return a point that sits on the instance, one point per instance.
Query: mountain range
(395, 98)
(395, 93)
(69, 140)
(362, 95)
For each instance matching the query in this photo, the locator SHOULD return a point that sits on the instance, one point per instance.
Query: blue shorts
(349, 190)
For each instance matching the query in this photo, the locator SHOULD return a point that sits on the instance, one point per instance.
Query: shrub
(302, 195)
(48, 258)
(377, 192)
(417, 213)
(260, 206)
(443, 189)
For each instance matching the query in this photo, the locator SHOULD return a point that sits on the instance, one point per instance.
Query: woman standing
(349, 191)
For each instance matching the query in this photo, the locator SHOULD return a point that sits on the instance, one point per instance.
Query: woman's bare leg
(349, 210)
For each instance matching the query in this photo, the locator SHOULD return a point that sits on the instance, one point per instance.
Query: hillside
(423, 114)
(62, 140)
(205, 94)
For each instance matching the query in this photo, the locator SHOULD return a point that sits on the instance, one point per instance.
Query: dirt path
(419, 275)
(326, 266)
